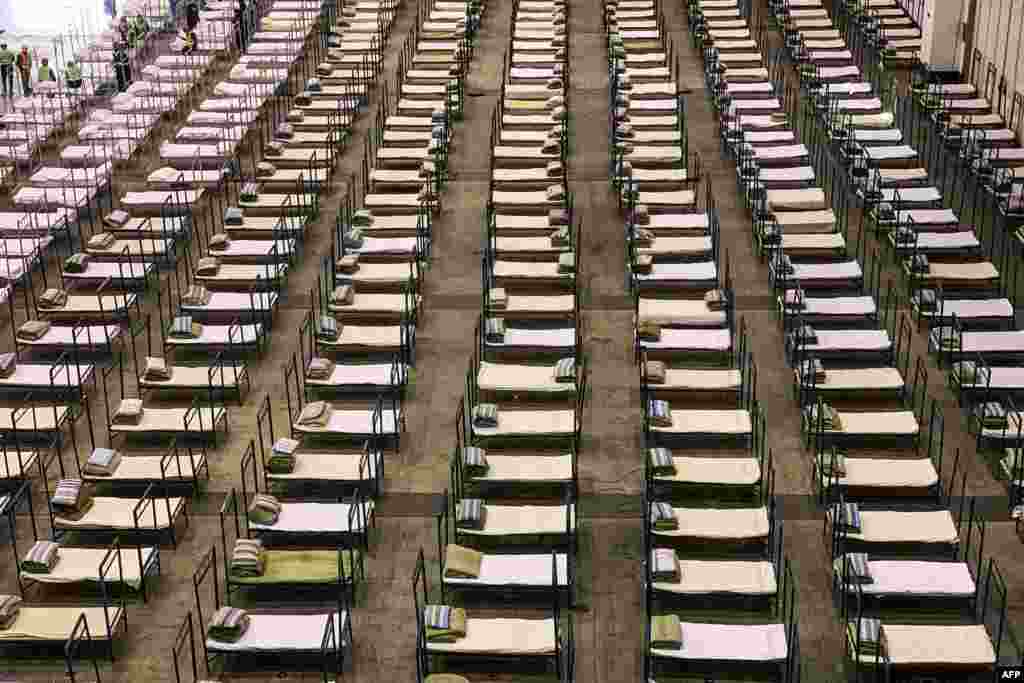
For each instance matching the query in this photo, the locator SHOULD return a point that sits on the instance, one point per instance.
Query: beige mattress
(173, 420)
(524, 520)
(925, 644)
(703, 379)
(719, 523)
(808, 199)
(53, 622)
(880, 422)
(528, 378)
(338, 466)
(534, 468)
(708, 422)
(189, 376)
(896, 526)
(147, 467)
(682, 312)
(714, 470)
(895, 473)
(83, 564)
(116, 513)
(530, 423)
(849, 379)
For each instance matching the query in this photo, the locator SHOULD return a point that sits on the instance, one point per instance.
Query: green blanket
(666, 632)
(456, 629)
(281, 463)
(300, 566)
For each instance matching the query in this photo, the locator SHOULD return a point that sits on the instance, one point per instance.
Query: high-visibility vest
(44, 72)
(6, 57)
(72, 71)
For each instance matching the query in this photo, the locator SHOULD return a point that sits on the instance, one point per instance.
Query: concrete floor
(608, 618)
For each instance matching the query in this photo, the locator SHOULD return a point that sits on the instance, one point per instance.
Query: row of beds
(346, 382)
(877, 464)
(960, 291)
(508, 525)
(711, 536)
(162, 451)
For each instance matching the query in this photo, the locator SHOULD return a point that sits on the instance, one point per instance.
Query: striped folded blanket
(565, 370)
(784, 266)
(648, 330)
(102, 462)
(10, 605)
(233, 215)
(41, 557)
(666, 632)
(353, 239)
(101, 241)
(485, 415)
(474, 461)
(494, 330)
(327, 328)
(927, 300)
(470, 514)
(662, 464)
(663, 517)
(866, 635)
(184, 328)
(993, 415)
(444, 624)
(832, 463)
(208, 265)
(220, 242)
(968, 372)
(498, 297)
(715, 299)
(228, 625)
(348, 264)
(461, 562)
(665, 565)
(655, 371)
(343, 295)
(812, 370)
(70, 495)
(156, 369)
(77, 263)
(250, 192)
(826, 415)
(247, 558)
(660, 413)
(281, 463)
(846, 516)
(856, 568)
(560, 237)
(264, 509)
(53, 298)
(567, 262)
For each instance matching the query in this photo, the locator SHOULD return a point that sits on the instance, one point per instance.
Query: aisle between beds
(20, 462)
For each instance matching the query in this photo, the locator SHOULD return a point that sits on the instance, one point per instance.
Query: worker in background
(122, 67)
(73, 74)
(191, 15)
(45, 72)
(189, 42)
(122, 29)
(137, 30)
(24, 64)
(242, 24)
(7, 70)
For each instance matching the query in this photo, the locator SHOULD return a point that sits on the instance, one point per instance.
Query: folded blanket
(555, 169)
(663, 517)
(33, 330)
(665, 565)
(264, 509)
(993, 415)
(327, 328)
(643, 263)
(71, 496)
(314, 414)
(832, 463)
(856, 568)
(184, 328)
(666, 632)
(826, 416)
(715, 299)
(275, 148)
(560, 237)
(662, 464)
(867, 635)
(228, 625)
(648, 330)
(247, 558)
(353, 239)
(76, 263)
(10, 605)
(41, 557)
(343, 295)
(117, 218)
(285, 131)
(281, 462)
(129, 411)
(53, 298)
(8, 364)
(265, 169)
(461, 562)
(565, 370)
(498, 297)
(558, 217)
(812, 369)
(101, 241)
(644, 238)
(474, 461)
(444, 624)
(567, 262)
(363, 217)
(655, 371)
(968, 372)
(348, 264)
(904, 235)
(208, 266)
(805, 334)
(102, 462)
(919, 264)
(660, 413)
(494, 330)
(220, 242)
(927, 300)
(313, 85)
(784, 266)
(320, 369)
(470, 513)
(847, 516)
(485, 415)
(233, 216)
(249, 193)
(641, 214)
